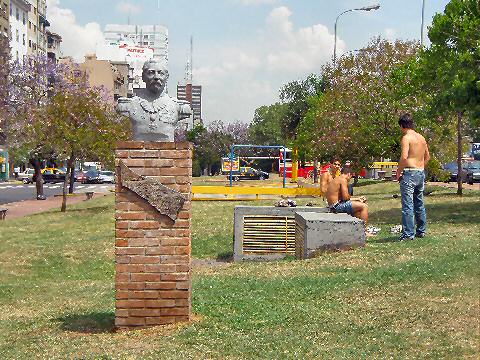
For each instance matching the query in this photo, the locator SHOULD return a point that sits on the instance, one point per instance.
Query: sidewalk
(30, 207)
(453, 185)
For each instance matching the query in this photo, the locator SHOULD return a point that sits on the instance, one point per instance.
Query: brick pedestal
(152, 252)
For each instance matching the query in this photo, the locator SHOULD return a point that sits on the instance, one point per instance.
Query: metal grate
(268, 234)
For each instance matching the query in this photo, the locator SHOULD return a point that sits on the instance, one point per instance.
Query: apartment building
(37, 23)
(151, 36)
(134, 44)
(192, 94)
(113, 76)
(53, 46)
(18, 20)
(4, 17)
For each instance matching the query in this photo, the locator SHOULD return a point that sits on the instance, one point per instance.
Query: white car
(27, 176)
(107, 177)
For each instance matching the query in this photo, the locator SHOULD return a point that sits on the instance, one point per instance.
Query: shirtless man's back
(410, 173)
(415, 152)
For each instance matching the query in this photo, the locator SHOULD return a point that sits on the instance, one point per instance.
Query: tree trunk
(355, 180)
(315, 171)
(72, 177)
(38, 178)
(459, 153)
(70, 163)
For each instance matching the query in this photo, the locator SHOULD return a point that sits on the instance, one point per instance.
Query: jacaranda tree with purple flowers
(51, 109)
(82, 122)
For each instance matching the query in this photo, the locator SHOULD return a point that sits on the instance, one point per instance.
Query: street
(13, 192)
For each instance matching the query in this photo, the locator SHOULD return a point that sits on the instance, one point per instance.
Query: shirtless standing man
(339, 200)
(411, 174)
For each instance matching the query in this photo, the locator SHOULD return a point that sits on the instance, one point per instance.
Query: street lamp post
(423, 18)
(365, 8)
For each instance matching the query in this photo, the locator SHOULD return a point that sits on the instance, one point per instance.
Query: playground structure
(249, 193)
(232, 158)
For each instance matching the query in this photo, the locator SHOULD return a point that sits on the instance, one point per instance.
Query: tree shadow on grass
(388, 239)
(226, 256)
(368, 182)
(92, 323)
(463, 213)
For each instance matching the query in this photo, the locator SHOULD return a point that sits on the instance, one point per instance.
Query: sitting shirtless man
(328, 176)
(339, 199)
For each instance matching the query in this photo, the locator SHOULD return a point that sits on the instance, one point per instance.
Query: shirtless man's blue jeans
(413, 209)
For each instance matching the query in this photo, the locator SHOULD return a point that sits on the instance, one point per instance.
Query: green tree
(356, 117)
(295, 95)
(266, 126)
(449, 69)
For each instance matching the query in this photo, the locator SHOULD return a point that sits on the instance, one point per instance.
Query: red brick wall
(152, 252)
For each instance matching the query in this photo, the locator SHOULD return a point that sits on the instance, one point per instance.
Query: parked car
(248, 173)
(452, 168)
(473, 171)
(79, 176)
(52, 175)
(107, 177)
(92, 177)
(27, 176)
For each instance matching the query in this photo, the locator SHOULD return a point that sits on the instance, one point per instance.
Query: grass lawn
(416, 299)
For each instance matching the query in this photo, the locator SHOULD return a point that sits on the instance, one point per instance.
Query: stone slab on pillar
(152, 251)
(319, 232)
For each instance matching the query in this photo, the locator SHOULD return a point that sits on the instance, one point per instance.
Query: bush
(435, 172)
(196, 169)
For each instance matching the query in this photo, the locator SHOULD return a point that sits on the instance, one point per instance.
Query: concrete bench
(89, 194)
(266, 232)
(3, 213)
(316, 233)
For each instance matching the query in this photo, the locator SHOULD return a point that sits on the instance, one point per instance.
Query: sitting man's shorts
(342, 207)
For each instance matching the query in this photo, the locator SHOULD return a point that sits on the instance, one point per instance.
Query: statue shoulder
(124, 104)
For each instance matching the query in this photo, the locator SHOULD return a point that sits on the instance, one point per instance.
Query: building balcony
(43, 20)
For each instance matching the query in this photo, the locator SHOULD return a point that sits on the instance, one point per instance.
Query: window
(17, 55)
(23, 18)
(35, 28)
(35, 10)
(17, 37)
(29, 24)
(17, 15)
(34, 46)
(145, 36)
(29, 43)
(23, 39)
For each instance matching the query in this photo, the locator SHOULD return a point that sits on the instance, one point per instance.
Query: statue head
(155, 75)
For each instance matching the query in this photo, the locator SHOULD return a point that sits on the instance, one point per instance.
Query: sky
(243, 50)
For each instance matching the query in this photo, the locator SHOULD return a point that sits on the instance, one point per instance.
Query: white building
(134, 44)
(18, 29)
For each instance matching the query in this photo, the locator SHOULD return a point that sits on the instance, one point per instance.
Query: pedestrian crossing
(96, 187)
